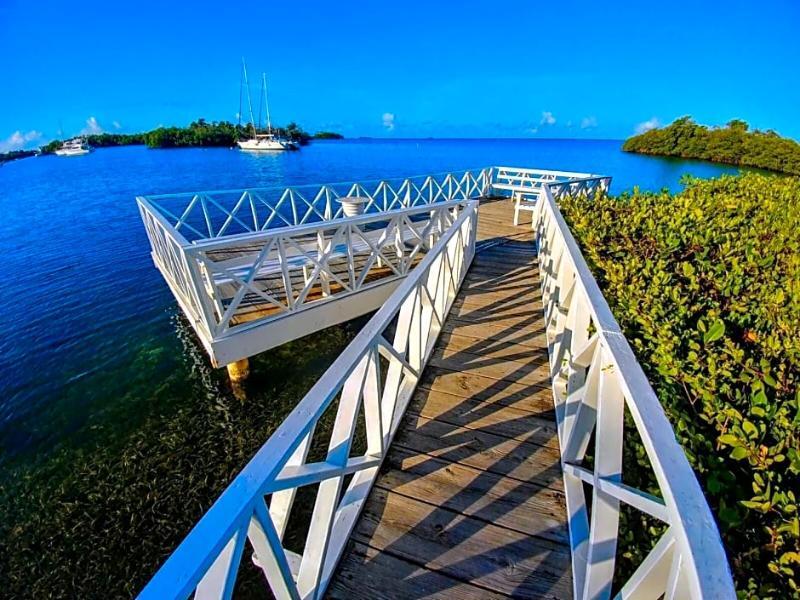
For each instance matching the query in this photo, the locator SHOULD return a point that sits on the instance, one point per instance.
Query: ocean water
(87, 320)
(116, 435)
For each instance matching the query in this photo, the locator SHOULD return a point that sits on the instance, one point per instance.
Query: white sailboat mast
(266, 102)
(249, 99)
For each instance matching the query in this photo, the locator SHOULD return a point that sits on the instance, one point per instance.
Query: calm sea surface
(88, 326)
(116, 435)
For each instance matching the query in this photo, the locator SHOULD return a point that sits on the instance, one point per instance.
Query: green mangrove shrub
(734, 144)
(706, 285)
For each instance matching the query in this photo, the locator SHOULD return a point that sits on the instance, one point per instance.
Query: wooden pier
(470, 501)
(463, 411)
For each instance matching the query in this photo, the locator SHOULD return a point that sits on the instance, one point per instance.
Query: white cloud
(648, 125)
(92, 127)
(388, 121)
(547, 118)
(588, 122)
(116, 125)
(18, 140)
(569, 124)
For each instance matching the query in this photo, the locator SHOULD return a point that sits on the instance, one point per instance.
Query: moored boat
(265, 142)
(74, 147)
(260, 142)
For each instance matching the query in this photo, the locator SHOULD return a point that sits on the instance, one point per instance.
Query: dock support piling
(239, 370)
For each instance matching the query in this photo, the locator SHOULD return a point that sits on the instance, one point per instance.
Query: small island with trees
(200, 133)
(733, 144)
(16, 154)
(328, 135)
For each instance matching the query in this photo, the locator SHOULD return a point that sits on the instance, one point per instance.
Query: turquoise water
(116, 435)
(87, 320)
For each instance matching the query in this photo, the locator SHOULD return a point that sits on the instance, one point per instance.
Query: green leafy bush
(706, 285)
(732, 144)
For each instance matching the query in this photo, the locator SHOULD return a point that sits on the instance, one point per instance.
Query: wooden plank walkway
(470, 503)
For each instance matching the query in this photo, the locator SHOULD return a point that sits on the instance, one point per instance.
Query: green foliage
(198, 133)
(328, 135)
(706, 285)
(732, 144)
(16, 154)
(51, 147)
(104, 140)
(293, 132)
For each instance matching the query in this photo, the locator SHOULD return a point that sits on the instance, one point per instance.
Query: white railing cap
(696, 529)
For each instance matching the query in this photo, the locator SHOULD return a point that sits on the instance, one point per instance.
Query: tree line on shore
(200, 133)
(733, 144)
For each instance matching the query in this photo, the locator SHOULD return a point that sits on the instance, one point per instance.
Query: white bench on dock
(525, 187)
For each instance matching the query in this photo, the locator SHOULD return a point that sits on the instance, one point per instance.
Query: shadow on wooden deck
(469, 503)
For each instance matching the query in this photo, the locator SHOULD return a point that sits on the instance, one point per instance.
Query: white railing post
(594, 377)
(608, 467)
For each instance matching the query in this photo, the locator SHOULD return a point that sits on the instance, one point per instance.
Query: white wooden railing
(168, 250)
(249, 261)
(239, 261)
(214, 214)
(528, 181)
(280, 267)
(375, 377)
(595, 375)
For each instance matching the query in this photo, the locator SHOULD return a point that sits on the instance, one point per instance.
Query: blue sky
(404, 69)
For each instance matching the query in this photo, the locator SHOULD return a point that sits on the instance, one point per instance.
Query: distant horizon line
(430, 137)
(379, 137)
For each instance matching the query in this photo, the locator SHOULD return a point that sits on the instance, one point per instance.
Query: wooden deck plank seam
(477, 454)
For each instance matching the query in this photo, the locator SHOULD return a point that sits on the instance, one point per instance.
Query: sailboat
(260, 142)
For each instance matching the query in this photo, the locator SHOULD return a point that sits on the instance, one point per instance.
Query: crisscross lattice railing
(240, 261)
(595, 377)
(214, 214)
(528, 181)
(594, 373)
(366, 389)
(289, 268)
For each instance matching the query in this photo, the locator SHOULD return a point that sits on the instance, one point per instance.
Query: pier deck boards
(493, 229)
(469, 503)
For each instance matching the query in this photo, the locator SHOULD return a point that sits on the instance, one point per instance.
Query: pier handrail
(286, 268)
(168, 250)
(214, 214)
(251, 295)
(222, 243)
(330, 259)
(377, 373)
(595, 376)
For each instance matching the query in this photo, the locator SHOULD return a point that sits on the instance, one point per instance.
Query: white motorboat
(74, 147)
